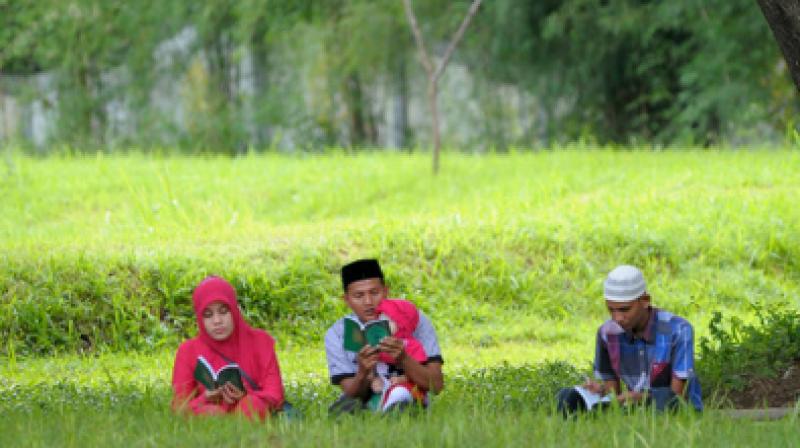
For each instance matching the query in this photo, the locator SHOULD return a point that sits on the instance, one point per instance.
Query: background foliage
(223, 76)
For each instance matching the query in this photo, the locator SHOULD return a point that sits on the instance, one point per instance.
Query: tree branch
(456, 38)
(434, 73)
(412, 20)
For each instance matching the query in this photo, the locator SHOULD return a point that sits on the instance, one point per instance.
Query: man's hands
(427, 376)
(367, 358)
(631, 397)
(627, 397)
(360, 384)
(594, 386)
(227, 393)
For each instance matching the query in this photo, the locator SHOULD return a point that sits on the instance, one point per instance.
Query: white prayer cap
(624, 284)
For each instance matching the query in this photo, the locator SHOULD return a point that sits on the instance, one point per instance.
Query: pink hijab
(240, 346)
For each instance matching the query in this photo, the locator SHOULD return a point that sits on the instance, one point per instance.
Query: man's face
(364, 296)
(630, 315)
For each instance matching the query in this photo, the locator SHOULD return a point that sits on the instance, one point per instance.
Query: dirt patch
(782, 391)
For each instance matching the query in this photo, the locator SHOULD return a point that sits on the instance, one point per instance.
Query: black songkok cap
(360, 270)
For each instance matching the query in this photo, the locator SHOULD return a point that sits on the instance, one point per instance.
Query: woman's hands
(214, 396)
(231, 394)
(227, 393)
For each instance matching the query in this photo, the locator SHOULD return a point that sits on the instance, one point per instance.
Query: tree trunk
(8, 133)
(91, 121)
(783, 17)
(435, 72)
(260, 75)
(432, 91)
(401, 104)
(361, 125)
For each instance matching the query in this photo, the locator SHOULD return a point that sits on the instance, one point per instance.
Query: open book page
(354, 337)
(211, 379)
(590, 398)
(375, 331)
(357, 335)
(204, 373)
(230, 374)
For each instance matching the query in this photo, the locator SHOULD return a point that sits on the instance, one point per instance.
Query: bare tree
(432, 72)
(783, 17)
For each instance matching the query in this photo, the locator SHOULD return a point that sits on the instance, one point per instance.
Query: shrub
(736, 352)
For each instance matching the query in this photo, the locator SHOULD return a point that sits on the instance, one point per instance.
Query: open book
(356, 335)
(590, 398)
(205, 374)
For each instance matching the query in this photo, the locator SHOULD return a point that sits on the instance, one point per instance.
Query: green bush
(736, 352)
(87, 303)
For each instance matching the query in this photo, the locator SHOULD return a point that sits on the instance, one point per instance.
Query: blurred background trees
(229, 75)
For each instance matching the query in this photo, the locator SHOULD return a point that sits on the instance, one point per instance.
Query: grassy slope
(507, 253)
(502, 249)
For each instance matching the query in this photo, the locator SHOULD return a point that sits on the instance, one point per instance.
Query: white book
(591, 399)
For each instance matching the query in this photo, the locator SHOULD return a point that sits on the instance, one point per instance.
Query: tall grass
(122, 400)
(149, 423)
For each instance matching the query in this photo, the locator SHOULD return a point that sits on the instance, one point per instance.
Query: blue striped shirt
(665, 350)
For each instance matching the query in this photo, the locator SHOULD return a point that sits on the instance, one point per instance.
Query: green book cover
(210, 379)
(372, 333)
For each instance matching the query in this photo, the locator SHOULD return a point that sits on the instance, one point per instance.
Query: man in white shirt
(364, 289)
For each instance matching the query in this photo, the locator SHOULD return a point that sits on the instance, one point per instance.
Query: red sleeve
(187, 393)
(270, 397)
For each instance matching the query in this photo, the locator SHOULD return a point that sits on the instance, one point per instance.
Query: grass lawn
(506, 253)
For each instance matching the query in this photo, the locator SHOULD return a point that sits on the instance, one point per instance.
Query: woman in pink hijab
(225, 338)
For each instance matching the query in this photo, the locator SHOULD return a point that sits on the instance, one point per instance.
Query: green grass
(149, 423)
(87, 402)
(104, 251)
(507, 253)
